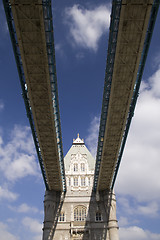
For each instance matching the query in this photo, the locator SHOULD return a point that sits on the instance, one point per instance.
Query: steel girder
(35, 58)
(109, 154)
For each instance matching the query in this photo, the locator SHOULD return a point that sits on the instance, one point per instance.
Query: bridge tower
(80, 213)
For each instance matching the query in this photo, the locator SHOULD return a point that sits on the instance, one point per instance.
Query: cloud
(123, 221)
(80, 55)
(5, 234)
(132, 207)
(22, 166)
(8, 195)
(134, 232)
(37, 237)
(92, 138)
(18, 158)
(32, 224)
(59, 49)
(137, 184)
(3, 23)
(156, 60)
(86, 26)
(151, 209)
(139, 171)
(24, 208)
(1, 105)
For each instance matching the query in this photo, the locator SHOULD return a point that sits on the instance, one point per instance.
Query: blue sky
(81, 38)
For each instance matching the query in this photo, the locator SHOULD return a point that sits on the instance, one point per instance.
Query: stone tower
(80, 214)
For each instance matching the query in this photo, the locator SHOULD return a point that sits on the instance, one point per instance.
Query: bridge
(31, 30)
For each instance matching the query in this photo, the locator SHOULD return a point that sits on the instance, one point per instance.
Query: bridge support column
(51, 213)
(112, 222)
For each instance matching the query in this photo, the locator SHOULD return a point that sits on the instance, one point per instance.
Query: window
(80, 213)
(61, 217)
(82, 167)
(69, 182)
(83, 181)
(75, 182)
(89, 181)
(98, 217)
(75, 167)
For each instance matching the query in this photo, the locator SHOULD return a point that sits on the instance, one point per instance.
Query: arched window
(80, 213)
(75, 167)
(82, 167)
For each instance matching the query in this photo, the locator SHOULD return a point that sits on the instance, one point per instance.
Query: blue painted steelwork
(115, 17)
(53, 80)
(47, 12)
(107, 88)
(148, 37)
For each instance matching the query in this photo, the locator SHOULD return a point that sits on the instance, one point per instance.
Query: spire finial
(78, 140)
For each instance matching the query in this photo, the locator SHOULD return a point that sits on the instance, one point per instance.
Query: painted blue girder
(115, 18)
(152, 20)
(47, 12)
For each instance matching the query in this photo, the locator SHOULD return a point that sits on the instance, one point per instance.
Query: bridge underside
(32, 39)
(133, 24)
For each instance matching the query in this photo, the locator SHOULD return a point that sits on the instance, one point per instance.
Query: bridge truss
(131, 27)
(31, 30)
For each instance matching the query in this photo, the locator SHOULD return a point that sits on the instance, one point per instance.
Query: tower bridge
(31, 30)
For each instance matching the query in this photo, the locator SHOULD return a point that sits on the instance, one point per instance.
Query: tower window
(69, 182)
(98, 217)
(82, 167)
(61, 217)
(75, 181)
(83, 181)
(75, 167)
(89, 181)
(80, 213)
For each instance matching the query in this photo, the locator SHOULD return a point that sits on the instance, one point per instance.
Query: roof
(78, 146)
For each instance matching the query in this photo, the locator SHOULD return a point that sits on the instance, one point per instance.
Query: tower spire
(78, 140)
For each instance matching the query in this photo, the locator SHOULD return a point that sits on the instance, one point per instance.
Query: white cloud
(132, 207)
(123, 221)
(22, 166)
(156, 61)
(17, 157)
(1, 105)
(137, 184)
(87, 25)
(134, 232)
(151, 209)
(139, 171)
(5, 234)
(92, 138)
(37, 237)
(24, 208)
(8, 195)
(33, 225)
(59, 49)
